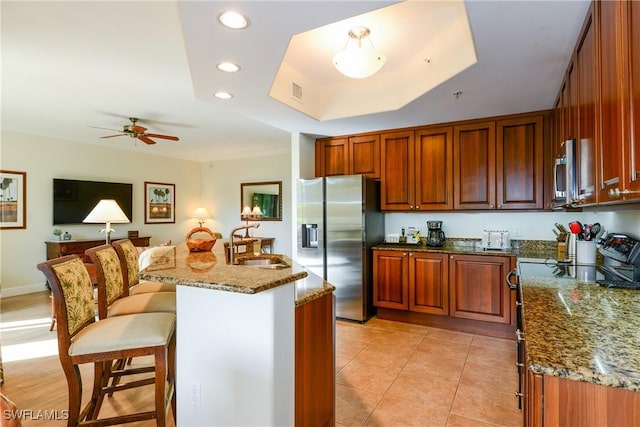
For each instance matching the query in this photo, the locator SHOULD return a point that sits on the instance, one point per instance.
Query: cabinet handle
(519, 335)
(491, 206)
(519, 394)
(616, 192)
(410, 253)
(417, 207)
(451, 256)
(519, 364)
(404, 254)
(411, 207)
(499, 206)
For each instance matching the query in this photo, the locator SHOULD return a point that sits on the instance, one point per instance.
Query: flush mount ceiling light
(223, 95)
(228, 67)
(358, 61)
(233, 20)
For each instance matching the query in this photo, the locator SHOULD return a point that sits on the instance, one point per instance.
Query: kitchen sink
(268, 261)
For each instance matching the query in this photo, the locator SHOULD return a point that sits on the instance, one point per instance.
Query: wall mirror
(265, 195)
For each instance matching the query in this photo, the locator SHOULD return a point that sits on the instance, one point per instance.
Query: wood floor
(37, 384)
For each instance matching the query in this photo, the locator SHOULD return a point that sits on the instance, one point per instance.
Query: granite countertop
(582, 331)
(208, 270)
(520, 248)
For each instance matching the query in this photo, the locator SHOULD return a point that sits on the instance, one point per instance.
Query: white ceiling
(67, 66)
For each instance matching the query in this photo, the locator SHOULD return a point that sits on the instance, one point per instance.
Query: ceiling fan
(135, 131)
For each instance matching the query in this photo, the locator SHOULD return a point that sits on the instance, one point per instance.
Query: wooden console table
(58, 248)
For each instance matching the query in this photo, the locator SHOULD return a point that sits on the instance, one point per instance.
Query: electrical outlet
(195, 395)
(516, 231)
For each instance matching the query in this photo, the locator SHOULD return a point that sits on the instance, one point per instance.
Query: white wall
(44, 159)
(221, 195)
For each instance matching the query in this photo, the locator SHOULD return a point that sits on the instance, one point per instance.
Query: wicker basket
(201, 244)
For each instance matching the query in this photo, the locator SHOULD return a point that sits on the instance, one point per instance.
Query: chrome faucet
(242, 227)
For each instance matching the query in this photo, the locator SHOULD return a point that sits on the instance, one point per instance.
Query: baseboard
(22, 290)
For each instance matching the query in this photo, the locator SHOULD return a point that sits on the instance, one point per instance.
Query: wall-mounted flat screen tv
(74, 199)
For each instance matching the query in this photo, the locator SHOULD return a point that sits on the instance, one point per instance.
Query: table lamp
(250, 214)
(201, 215)
(107, 211)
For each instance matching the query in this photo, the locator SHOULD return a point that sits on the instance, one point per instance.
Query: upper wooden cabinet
(619, 56)
(348, 156)
(500, 165)
(417, 170)
(520, 163)
(585, 61)
(474, 166)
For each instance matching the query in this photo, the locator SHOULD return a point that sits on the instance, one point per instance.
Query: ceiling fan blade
(96, 127)
(112, 136)
(155, 135)
(146, 140)
(138, 129)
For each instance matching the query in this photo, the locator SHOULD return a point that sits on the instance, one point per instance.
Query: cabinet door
(477, 288)
(632, 169)
(586, 142)
(429, 283)
(474, 166)
(390, 279)
(397, 171)
(520, 163)
(364, 155)
(611, 82)
(332, 156)
(433, 157)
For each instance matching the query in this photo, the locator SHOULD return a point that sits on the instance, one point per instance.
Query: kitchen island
(582, 353)
(237, 337)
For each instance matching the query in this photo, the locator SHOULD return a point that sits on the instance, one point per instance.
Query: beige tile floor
(396, 374)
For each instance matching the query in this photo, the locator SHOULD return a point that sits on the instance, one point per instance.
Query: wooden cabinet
(60, 248)
(332, 156)
(416, 281)
(348, 156)
(500, 165)
(463, 288)
(477, 289)
(520, 163)
(619, 148)
(585, 63)
(558, 402)
(314, 363)
(391, 279)
(428, 283)
(416, 170)
(474, 166)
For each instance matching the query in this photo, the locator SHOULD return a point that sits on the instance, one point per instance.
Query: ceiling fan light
(233, 20)
(357, 61)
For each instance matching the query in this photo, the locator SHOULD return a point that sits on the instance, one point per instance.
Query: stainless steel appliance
(435, 235)
(564, 177)
(498, 240)
(339, 220)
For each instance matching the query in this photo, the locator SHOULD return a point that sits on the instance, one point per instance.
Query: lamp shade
(107, 210)
(256, 211)
(359, 61)
(246, 211)
(201, 214)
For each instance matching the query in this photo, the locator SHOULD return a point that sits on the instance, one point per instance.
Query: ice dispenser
(309, 235)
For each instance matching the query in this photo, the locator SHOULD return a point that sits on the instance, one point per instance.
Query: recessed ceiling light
(228, 67)
(233, 20)
(223, 95)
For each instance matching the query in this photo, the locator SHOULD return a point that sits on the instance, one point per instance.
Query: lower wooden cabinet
(477, 288)
(558, 402)
(314, 360)
(462, 288)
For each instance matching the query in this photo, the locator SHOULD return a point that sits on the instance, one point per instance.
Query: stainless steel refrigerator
(339, 220)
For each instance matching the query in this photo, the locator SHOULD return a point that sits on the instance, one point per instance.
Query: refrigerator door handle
(309, 235)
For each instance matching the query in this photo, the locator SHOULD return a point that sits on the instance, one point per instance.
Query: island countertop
(208, 270)
(582, 331)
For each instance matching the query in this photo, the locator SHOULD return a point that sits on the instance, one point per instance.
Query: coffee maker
(435, 235)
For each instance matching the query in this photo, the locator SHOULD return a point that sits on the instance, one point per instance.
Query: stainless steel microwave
(565, 185)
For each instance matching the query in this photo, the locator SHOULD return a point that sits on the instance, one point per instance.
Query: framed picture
(13, 199)
(159, 203)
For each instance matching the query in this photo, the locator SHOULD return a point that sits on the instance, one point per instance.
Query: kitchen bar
(235, 336)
